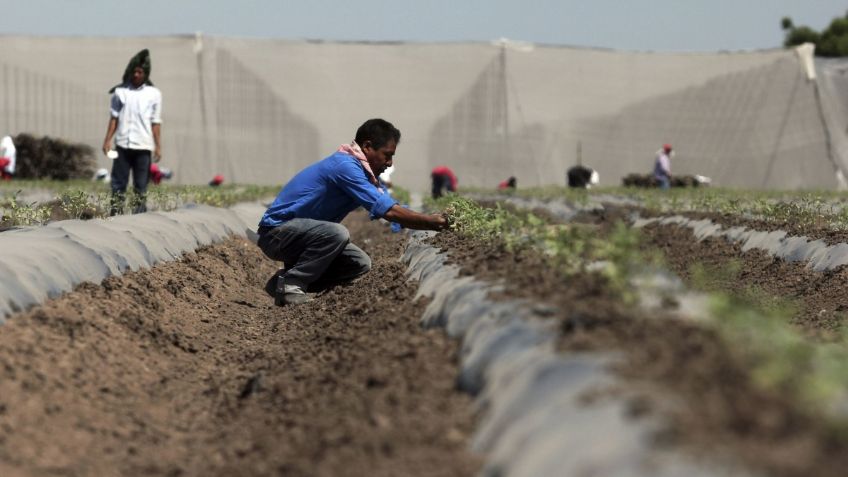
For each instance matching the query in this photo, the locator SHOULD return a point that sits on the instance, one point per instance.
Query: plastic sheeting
(534, 422)
(258, 111)
(38, 263)
(833, 89)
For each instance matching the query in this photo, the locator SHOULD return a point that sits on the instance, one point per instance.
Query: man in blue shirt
(301, 227)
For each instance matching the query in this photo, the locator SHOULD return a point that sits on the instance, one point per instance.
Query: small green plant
(77, 204)
(572, 248)
(85, 199)
(16, 213)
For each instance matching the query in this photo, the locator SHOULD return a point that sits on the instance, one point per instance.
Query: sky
(644, 25)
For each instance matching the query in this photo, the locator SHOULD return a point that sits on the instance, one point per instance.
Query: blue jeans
(317, 254)
(137, 161)
(665, 182)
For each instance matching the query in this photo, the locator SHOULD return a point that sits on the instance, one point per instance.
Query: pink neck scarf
(354, 150)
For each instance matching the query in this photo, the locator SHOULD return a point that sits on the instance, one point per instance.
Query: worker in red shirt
(443, 178)
(158, 173)
(7, 158)
(508, 184)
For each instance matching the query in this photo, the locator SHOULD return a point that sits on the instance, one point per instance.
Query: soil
(189, 369)
(819, 296)
(819, 230)
(674, 369)
(820, 307)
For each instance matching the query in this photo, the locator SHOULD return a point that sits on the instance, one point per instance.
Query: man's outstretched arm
(414, 220)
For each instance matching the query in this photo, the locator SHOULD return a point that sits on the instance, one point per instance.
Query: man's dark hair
(140, 60)
(378, 131)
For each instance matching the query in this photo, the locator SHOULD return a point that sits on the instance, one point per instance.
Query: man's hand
(157, 154)
(414, 220)
(449, 220)
(110, 132)
(442, 221)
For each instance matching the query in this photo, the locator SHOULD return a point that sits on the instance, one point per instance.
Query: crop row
(86, 200)
(804, 208)
(778, 357)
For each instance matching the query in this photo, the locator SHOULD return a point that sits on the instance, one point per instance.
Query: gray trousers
(316, 254)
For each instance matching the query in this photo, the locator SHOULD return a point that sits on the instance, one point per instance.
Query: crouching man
(301, 228)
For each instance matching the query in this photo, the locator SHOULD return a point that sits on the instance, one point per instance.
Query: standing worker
(442, 178)
(662, 167)
(301, 227)
(135, 123)
(8, 153)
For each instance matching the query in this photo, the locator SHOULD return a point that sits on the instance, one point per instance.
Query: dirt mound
(189, 369)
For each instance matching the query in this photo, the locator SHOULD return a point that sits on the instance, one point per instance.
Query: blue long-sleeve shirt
(327, 190)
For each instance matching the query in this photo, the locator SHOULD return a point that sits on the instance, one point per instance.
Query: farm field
(735, 353)
(560, 252)
(189, 369)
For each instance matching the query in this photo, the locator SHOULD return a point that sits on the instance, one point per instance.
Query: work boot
(294, 295)
(289, 294)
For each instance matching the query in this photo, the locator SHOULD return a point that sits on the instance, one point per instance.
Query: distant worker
(386, 177)
(443, 178)
(8, 154)
(582, 177)
(508, 184)
(662, 167)
(101, 175)
(217, 180)
(157, 174)
(135, 123)
(301, 227)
